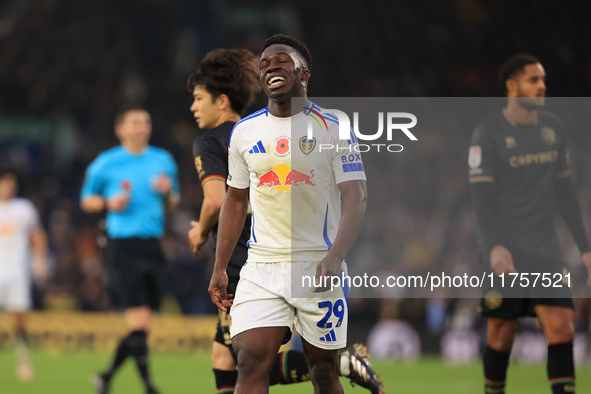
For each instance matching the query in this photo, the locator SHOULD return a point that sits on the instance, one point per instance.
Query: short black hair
(231, 72)
(296, 44)
(120, 114)
(10, 172)
(513, 66)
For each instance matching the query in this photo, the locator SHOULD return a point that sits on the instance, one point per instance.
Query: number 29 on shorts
(338, 309)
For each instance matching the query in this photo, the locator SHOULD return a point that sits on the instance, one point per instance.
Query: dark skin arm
(231, 223)
(570, 209)
(354, 199)
(483, 197)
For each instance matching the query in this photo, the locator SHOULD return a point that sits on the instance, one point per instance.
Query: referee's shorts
(137, 271)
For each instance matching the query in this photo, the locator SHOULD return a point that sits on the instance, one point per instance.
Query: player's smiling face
(530, 86)
(204, 108)
(282, 72)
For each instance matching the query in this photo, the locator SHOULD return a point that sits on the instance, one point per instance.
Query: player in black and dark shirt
(519, 171)
(210, 151)
(222, 87)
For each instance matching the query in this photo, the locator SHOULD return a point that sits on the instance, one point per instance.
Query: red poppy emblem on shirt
(282, 148)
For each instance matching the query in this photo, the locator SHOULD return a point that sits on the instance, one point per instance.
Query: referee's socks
(138, 348)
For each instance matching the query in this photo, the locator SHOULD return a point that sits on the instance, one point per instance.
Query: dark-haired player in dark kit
(223, 86)
(518, 171)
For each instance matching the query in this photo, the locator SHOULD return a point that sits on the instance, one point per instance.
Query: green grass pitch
(64, 373)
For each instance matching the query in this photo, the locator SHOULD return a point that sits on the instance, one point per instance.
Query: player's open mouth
(276, 82)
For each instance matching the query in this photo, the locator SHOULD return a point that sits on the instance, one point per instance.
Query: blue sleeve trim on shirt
(325, 230)
(251, 116)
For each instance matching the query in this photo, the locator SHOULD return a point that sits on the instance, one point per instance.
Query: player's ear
(223, 101)
(511, 85)
(306, 74)
(118, 132)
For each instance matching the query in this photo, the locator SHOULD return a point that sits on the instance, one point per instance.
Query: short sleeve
(94, 180)
(211, 162)
(347, 162)
(481, 158)
(238, 173)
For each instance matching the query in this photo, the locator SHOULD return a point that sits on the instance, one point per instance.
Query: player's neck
(519, 115)
(283, 109)
(227, 117)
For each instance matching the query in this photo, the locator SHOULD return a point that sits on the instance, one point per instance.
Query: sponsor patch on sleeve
(475, 157)
(352, 167)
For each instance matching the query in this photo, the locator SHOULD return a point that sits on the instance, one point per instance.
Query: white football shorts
(15, 293)
(264, 299)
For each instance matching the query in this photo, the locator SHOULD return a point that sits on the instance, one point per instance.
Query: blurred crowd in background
(66, 66)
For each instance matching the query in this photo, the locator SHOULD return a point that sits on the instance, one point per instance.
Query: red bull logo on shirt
(283, 177)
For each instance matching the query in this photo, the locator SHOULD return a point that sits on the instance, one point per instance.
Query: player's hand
(328, 267)
(217, 290)
(118, 203)
(196, 239)
(501, 260)
(587, 261)
(40, 269)
(163, 184)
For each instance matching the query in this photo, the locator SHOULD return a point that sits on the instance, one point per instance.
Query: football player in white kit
(23, 250)
(296, 224)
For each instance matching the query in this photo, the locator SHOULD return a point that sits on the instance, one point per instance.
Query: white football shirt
(18, 217)
(293, 183)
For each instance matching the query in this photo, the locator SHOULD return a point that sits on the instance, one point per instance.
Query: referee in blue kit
(136, 184)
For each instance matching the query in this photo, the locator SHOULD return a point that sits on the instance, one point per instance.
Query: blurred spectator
(393, 338)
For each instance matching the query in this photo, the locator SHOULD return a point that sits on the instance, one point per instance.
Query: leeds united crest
(307, 145)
